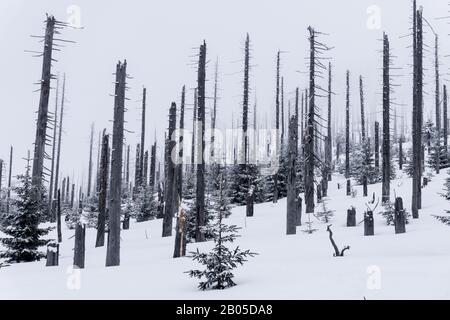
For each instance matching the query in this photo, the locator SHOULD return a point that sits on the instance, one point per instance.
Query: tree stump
(425, 181)
(52, 254)
(126, 222)
(349, 189)
(250, 204)
(399, 216)
(79, 250)
(351, 217)
(299, 201)
(368, 223)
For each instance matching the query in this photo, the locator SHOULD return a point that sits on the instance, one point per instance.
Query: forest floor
(414, 265)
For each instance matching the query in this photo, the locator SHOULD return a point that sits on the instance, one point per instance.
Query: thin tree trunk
(277, 127)
(103, 185)
(55, 126)
(200, 192)
(386, 172)
(58, 217)
(438, 109)
(58, 157)
(291, 218)
(142, 169)
(8, 196)
(377, 144)
(347, 133)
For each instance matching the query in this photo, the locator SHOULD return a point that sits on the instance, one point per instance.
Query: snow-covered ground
(415, 265)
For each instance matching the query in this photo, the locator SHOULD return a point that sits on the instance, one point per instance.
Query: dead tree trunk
(400, 153)
(291, 217)
(363, 134)
(377, 144)
(137, 170)
(347, 133)
(153, 166)
(58, 217)
(8, 196)
(180, 238)
(368, 223)
(113, 250)
(351, 217)
(194, 131)
(52, 254)
(72, 195)
(200, 187)
(142, 169)
(55, 126)
(79, 250)
(181, 143)
(309, 139)
(416, 203)
(41, 125)
(329, 136)
(386, 172)
(145, 170)
(127, 175)
(399, 216)
(103, 186)
(58, 157)
(277, 127)
(245, 103)
(91, 145)
(214, 111)
(445, 129)
(438, 109)
(170, 187)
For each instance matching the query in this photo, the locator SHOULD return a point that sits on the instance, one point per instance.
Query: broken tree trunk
(170, 187)
(103, 186)
(368, 223)
(180, 237)
(115, 197)
(399, 216)
(351, 217)
(291, 217)
(41, 124)
(79, 250)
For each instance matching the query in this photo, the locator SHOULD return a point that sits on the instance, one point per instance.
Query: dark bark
(351, 217)
(347, 132)
(103, 186)
(113, 250)
(52, 168)
(377, 144)
(58, 157)
(8, 194)
(91, 144)
(277, 127)
(386, 171)
(368, 223)
(399, 216)
(79, 250)
(142, 169)
(153, 166)
(445, 120)
(200, 186)
(170, 186)
(58, 217)
(309, 140)
(52, 255)
(291, 217)
(41, 124)
(337, 253)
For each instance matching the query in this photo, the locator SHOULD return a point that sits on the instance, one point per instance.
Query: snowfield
(415, 265)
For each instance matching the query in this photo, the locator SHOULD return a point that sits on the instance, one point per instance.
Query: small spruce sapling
(221, 260)
(325, 214)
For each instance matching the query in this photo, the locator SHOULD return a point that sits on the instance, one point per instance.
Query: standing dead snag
(291, 218)
(336, 253)
(347, 133)
(366, 155)
(200, 187)
(180, 166)
(52, 254)
(368, 223)
(52, 168)
(113, 250)
(58, 217)
(386, 172)
(58, 156)
(416, 202)
(170, 187)
(277, 127)
(438, 109)
(41, 125)
(8, 194)
(91, 145)
(142, 153)
(377, 144)
(180, 237)
(102, 193)
(445, 120)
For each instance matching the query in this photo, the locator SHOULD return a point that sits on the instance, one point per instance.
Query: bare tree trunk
(103, 185)
(55, 126)
(142, 153)
(277, 127)
(79, 250)
(347, 133)
(170, 185)
(41, 125)
(416, 203)
(91, 145)
(181, 143)
(113, 250)
(153, 166)
(400, 153)
(438, 109)
(145, 170)
(399, 216)
(127, 176)
(245, 102)
(8, 196)
(329, 136)
(194, 131)
(58, 157)
(291, 218)
(363, 134)
(445, 131)
(377, 144)
(386, 172)
(214, 111)
(72, 196)
(309, 139)
(58, 217)
(137, 170)
(200, 192)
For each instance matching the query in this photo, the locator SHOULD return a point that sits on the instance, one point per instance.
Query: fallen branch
(336, 249)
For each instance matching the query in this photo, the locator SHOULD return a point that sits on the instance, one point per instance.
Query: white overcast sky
(158, 39)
